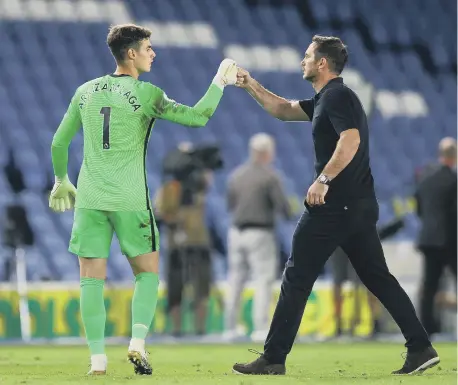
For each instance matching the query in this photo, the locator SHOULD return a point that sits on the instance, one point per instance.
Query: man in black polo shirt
(340, 210)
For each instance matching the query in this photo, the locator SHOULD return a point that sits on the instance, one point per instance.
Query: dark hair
(333, 50)
(125, 36)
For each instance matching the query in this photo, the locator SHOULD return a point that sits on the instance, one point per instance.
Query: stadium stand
(407, 82)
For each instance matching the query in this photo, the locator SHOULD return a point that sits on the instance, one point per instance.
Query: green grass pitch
(315, 364)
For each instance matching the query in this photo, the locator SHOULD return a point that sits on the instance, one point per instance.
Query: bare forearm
(272, 103)
(343, 155)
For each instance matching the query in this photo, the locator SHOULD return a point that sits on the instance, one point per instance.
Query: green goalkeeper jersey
(117, 113)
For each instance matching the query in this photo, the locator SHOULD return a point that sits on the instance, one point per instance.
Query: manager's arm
(278, 107)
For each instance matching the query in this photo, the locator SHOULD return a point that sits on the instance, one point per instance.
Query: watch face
(323, 179)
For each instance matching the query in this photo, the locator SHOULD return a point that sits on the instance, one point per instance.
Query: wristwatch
(323, 179)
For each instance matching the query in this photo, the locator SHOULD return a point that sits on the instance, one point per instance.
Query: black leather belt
(246, 226)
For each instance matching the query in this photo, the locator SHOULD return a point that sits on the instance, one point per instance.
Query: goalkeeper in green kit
(117, 113)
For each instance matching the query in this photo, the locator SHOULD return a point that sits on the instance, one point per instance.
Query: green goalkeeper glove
(62, 195)
(227, 74)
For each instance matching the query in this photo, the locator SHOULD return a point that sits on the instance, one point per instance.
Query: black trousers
(319, 231)
(436, 259)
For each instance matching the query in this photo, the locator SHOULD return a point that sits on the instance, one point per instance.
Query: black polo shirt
(334, 109)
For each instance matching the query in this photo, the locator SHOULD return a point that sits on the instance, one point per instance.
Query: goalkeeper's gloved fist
(227, 73)
(62, 195)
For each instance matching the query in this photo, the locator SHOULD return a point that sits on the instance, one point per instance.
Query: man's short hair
(123, 37)
(185, 146)
(333, 49)
(262, 142)
(447, 148)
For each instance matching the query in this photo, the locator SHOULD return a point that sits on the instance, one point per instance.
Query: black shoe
(418, 362)
(140, 362)
(259, 366)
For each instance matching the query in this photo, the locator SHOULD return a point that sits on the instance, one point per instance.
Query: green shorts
(93, 230)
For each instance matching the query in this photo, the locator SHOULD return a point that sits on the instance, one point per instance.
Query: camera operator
(181, 205)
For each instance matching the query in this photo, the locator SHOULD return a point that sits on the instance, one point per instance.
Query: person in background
(254, 196)
(181, 206)
(436, 197)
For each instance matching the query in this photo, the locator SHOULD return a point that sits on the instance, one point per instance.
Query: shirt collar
(119, 76)
(331, 83)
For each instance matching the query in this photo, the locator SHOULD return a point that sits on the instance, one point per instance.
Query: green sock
(93, 313)
(144, 303)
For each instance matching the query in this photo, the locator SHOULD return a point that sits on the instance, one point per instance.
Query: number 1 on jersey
(106, 112)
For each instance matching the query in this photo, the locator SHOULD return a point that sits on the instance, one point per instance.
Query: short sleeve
(308, 105)
(340, 109)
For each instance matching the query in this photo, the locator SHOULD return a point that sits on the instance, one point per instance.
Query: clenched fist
(243, 78)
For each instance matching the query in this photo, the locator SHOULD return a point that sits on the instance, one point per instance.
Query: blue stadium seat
(44, 62)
